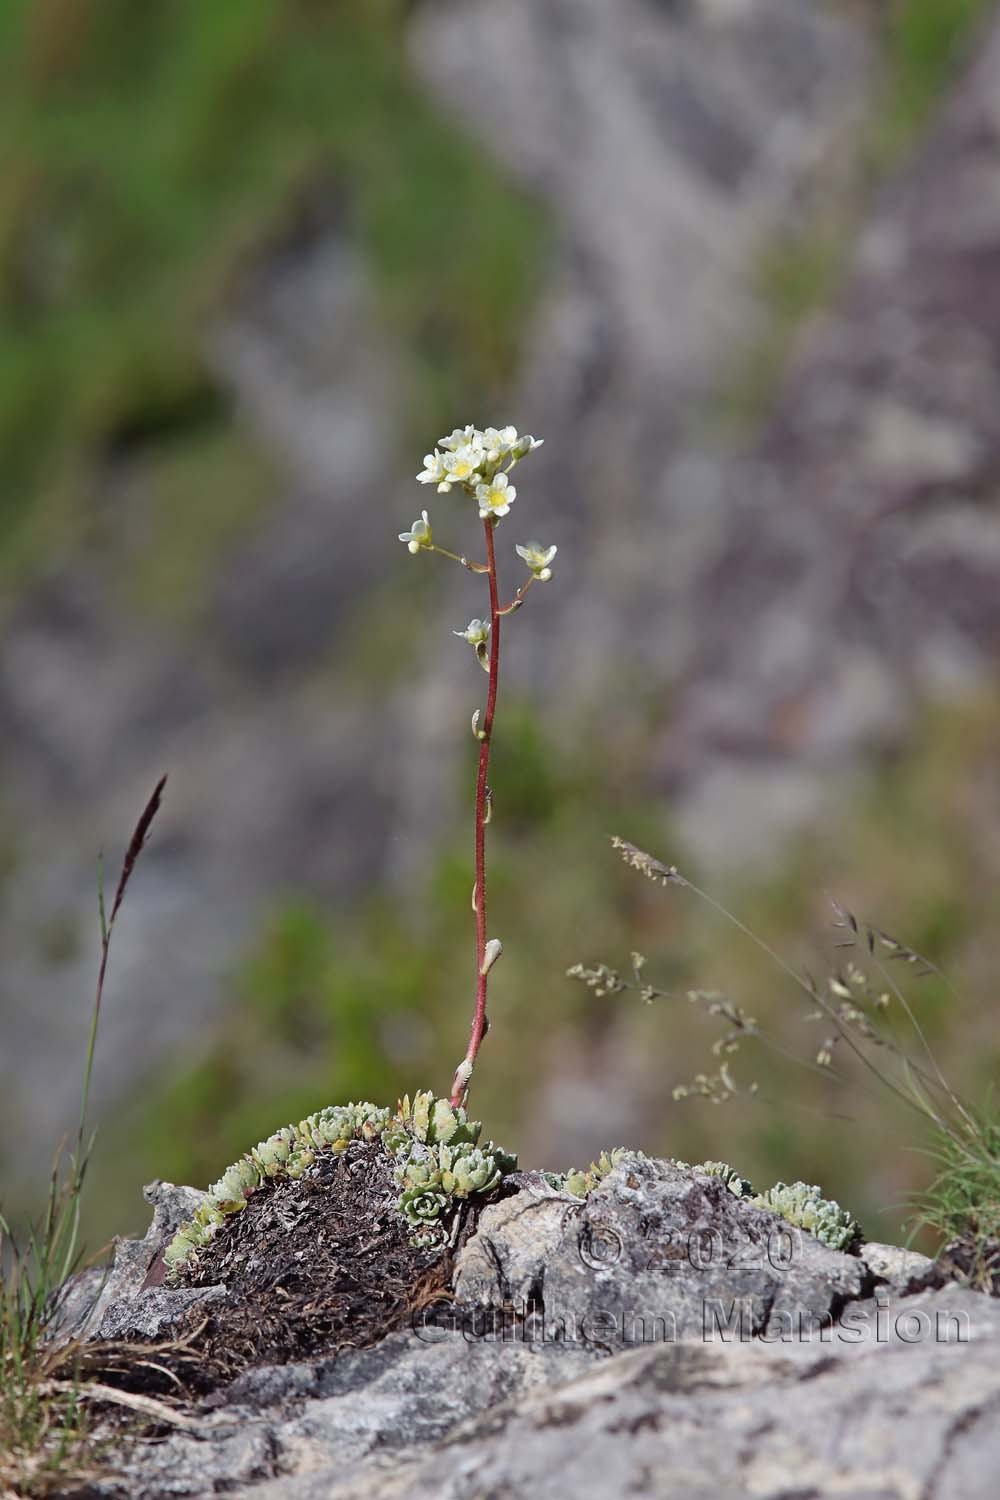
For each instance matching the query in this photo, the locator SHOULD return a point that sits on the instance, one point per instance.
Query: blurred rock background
(739, 264)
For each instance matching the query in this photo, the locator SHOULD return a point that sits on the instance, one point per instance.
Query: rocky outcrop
(654, 1250)
(660, 1338)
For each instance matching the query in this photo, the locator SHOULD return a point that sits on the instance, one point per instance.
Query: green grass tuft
(962, 1204)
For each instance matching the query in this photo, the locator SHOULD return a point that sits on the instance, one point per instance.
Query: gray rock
(215, 1459)
(655, 1250)
(99, 1302)
(755, 1373)
(365, 1407)
(876, 1419)
(901, 1271)
(154, 1312)
(888, 1405)
(72, 1308)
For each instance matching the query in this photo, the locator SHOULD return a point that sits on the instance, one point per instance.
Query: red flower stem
(460, 1086)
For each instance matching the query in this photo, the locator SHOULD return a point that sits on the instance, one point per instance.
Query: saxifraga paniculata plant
(437, 1158)
(478, 465)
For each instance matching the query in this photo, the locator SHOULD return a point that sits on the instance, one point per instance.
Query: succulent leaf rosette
(803, 1205)
(737, 1184)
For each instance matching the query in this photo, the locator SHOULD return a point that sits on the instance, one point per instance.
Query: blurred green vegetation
(962, 1204)
(923, 41)
(152, 149)
(377, 1001)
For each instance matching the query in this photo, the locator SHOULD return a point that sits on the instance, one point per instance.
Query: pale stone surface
(106, 1303)
(895, 1397)
(655, 1250)
(901, 1271)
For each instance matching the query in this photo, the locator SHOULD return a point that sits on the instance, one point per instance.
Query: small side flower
(477, 633)
(538, 559)
(419, 537)
(434, 471)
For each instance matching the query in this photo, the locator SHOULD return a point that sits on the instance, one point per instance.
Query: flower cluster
(473, 460)
(479, 462)
(435, 1150)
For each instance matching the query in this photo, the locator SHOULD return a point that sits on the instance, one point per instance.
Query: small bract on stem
(478, 462)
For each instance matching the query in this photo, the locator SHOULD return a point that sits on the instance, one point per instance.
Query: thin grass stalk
(813, 993)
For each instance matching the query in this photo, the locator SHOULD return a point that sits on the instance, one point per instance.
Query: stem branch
(518, 598)
(473, 567)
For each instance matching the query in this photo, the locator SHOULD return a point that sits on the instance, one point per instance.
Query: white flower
(433, 470)
(538, 559)
(476, 633)
(419, 534)
(460, 438)
(523, 446)
(498, 442)
(462, 466)
(495, 497)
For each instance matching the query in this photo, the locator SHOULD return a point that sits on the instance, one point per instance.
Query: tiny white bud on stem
(494, 948)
